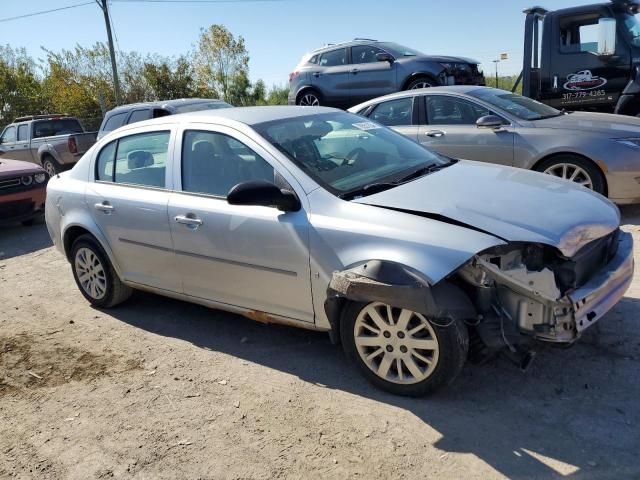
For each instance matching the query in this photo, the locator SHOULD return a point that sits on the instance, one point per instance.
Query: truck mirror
(606, 36)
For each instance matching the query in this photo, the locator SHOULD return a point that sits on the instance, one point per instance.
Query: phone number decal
(583, 95)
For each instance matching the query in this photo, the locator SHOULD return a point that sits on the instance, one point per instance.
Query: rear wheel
(575, 169)
(94, 274)
(420, 82)
(401, 351)
(50, 165)
(309, 98)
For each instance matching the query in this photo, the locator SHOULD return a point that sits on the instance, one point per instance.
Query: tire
(450, 346)
(566, 166)
(88, 258)
(50, 165)
(309, 98)
(421, 82)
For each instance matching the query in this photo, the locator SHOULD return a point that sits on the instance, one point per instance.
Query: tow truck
(584, 58)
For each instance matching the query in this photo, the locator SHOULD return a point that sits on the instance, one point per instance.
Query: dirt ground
(158, 388)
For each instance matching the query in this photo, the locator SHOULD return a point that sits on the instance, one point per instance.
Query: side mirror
(264, 194)
(385, 57)
(606, 37)
(489, 121)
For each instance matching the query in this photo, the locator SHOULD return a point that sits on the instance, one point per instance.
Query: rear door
(401, 114)
(331, 77)
(128, 200)
(247, 256)
(369, 78)
(451, 130)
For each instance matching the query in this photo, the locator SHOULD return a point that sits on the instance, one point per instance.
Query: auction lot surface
(159, 388)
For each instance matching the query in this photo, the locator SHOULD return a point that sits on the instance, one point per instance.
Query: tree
(278, 95)
(170, 80)
(20, 88)
(222, 64)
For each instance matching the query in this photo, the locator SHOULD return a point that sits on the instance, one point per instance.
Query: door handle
(104, 207)
(316, 74)
(189, 220)
(355, 71)
(435, 133)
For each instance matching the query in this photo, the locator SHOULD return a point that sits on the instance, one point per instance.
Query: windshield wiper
(368, 189)
(544, 117)
(422, 171)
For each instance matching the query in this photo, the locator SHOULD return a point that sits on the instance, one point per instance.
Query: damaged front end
(524, 291)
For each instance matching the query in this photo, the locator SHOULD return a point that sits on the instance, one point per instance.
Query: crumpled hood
(510, 203)
(615, 126)
(12, 168)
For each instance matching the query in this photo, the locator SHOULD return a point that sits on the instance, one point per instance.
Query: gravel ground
(159, 388)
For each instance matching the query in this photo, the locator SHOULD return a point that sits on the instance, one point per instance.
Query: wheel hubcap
(421, 85)
(571, 172)
(398, 345)
(49, 168)
(309, 100)
(90, 273)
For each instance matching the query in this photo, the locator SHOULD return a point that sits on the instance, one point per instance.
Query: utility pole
(116, 83)
(496, 62)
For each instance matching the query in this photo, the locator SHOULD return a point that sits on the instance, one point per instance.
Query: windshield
(344, 152)
(399, 50)
(522, 107)
(196, 107)
(632, 27)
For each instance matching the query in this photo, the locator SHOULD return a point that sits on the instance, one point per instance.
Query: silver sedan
(316, 218)
(596, 150)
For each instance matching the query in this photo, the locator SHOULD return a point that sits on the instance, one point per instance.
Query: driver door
(246, 256)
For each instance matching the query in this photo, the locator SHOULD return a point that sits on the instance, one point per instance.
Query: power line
(197, 1)
(44, 11)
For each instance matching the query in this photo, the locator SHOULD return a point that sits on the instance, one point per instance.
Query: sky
(278, 33)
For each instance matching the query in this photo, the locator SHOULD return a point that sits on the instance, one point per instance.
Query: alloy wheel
(398, 345)
(49, 168)
(418, 85)
(309, 100)
(90, 273)
(571, 172)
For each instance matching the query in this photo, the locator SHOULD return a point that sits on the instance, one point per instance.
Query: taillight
(293, 75)
(72, 144)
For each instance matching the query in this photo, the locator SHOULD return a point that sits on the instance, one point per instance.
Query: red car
(23, 188)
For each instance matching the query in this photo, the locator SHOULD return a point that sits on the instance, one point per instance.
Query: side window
(114, 121)
(394, 113)
(140, 115)
(364, 54)
(23, 133)
(334, 58)
(104, 163)
(9, 135)
(213, 163)
(139, 159)
(579, 36)
(442, 110)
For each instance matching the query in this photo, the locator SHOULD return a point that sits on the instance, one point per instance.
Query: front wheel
(401, 351)
(575, 169)
(94, 274)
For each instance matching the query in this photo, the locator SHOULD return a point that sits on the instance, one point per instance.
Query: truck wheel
(50, 165)
(401, 351)
(421, 82)
(94, 274)
(575, 169)
(309, 98)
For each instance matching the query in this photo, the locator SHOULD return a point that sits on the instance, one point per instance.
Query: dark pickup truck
(54, 141)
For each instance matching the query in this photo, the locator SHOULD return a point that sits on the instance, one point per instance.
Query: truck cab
(584, 58)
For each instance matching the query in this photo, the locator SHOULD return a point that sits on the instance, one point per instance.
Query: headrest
(204, 148)
(317, 129)
(139, 159)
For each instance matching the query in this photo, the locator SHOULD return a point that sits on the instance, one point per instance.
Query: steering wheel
(353, 155)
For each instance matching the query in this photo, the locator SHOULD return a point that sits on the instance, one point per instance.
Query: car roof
(456, 89)
(165, 103)
(357, 41)
(245, 115)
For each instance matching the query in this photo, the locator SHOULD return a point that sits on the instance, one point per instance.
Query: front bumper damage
(532, 302)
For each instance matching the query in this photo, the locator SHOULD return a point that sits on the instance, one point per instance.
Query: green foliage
(505, 83)
(79, 81)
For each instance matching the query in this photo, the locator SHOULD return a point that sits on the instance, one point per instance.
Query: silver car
(596, 150)
(316, 218)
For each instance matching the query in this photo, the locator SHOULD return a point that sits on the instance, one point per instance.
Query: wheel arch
(415, 75)
(75, 229)
(306, 88)
(553, 155)
(395, 284)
